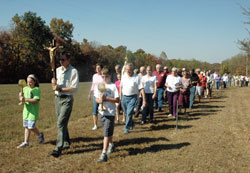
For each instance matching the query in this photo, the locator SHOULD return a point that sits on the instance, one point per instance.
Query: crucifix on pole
(52, 53)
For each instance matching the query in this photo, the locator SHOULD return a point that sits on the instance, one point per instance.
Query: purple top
(217, 78)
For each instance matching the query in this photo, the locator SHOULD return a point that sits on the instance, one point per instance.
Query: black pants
(138, 106)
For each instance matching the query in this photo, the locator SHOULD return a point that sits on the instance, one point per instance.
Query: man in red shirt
(165, 99)
(161, 77)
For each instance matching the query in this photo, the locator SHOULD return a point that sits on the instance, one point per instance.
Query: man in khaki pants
(66, 84)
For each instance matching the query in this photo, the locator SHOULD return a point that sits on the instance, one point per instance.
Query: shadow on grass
(126, 142)
(98, 147)
(219, 97)
(203, 112)
(215, 101)
(210, 106)
(79, 139)
(165, 126)
(156, 148)
(187, 118)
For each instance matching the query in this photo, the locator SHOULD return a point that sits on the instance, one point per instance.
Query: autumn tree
(62, 29)
(29, 34)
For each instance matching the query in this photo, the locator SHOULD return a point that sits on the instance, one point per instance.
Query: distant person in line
(204, 85)
(173, 84)
(237, 79)
(130, 87)
(225, 80)
(209, 86)
(165, 96)
(65, 86)
(117, 71)
(199, 87)
(242, 79)
(139, 97)
(96, 79)
(194, 80)
(149, 83)
(118, 105)
(229, 80)
(184, 91)
(218, 81)
(161, 78)
(30, 97)
(107, 115)
(247, 81)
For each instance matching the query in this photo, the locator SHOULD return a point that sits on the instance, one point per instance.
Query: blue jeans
(158, 98)
(95, 106)
(148, 108)
(192, 95)
(217, 85)
(128, 104)
(229, 83)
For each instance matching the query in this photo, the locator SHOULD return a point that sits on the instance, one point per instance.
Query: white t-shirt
(148, 83)
(173, 81)
(108, 107)
(130, 85)
(225, 78)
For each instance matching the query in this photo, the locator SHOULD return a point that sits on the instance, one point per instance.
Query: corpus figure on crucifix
(52, 54)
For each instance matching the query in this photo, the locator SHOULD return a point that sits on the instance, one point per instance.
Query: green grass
(11, 112)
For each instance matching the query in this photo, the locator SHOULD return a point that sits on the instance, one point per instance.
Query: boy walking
(107, 111)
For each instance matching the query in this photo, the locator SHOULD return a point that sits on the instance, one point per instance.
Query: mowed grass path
(213, 138)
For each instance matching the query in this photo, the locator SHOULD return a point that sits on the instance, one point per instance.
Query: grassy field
(213, 138)
(11, 112)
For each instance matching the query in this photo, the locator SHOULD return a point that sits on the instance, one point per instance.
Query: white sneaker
(95, 127)
(22, 145)
(170, 115)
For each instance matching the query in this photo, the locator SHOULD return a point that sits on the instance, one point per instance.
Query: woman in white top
(97, 78)
(173, 84)
(149, 82)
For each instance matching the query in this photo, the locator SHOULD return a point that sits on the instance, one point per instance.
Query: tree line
(22, 51)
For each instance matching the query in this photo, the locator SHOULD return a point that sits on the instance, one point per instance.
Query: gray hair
(158, 65)
(174, 69)
(129, 65)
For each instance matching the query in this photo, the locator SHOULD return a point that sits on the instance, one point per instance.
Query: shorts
(198, 90)
(95, 106)
(31, 124)
(107, 123)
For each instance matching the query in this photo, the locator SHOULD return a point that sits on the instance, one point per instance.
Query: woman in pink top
(118, 105)
(97, 78)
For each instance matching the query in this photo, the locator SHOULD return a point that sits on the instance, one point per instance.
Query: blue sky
(206, 30)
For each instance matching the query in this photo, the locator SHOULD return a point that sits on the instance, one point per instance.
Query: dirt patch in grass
(213, 138)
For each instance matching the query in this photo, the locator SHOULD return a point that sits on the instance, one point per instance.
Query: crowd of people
(130, 91)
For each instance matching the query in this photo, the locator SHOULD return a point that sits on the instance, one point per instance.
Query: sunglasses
(105, 76)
